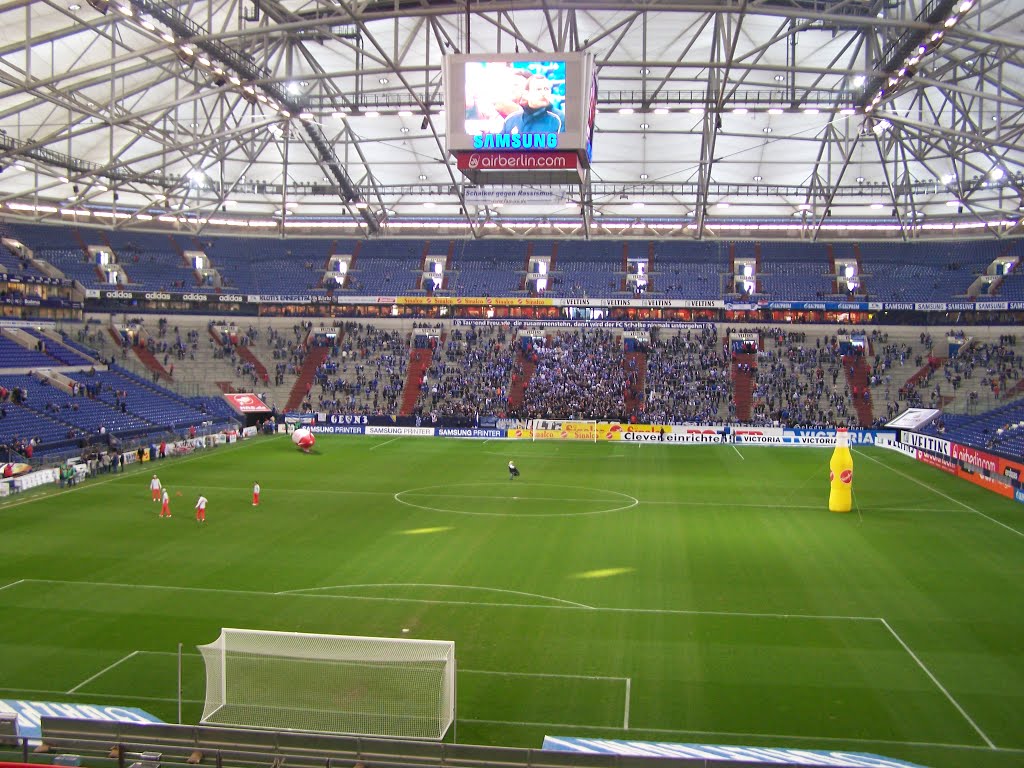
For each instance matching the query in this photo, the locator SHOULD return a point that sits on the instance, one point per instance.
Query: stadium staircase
(856, 369)
(247, 355)
(419, 362)
(743, 386)
(635, 361)
(149, 360)
(933, 364)
(314, 357)
(522, 372)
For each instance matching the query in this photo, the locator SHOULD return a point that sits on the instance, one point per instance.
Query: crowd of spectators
(579, 375)
(688, 379)
(364, 373)
(469, 374)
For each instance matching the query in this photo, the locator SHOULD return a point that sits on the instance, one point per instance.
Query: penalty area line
(379, 445)
(939, 685)
(738, 451)
(103, 671)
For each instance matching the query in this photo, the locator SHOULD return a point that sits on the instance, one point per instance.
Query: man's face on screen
(538, 93)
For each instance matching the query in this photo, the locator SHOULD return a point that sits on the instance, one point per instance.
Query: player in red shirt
(165, 504)
(201, 510)
(154, 487)
(256, 494)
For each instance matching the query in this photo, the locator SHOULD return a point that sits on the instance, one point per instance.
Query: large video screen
(520, 102)
(515, 97)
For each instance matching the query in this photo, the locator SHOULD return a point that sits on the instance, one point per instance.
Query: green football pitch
(685, 594)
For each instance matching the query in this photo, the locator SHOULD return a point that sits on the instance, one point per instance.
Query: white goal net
(367, 686)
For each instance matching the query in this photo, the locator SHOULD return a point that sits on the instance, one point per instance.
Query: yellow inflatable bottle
(840, 497)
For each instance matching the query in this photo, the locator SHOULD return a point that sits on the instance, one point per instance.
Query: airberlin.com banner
(984, 469)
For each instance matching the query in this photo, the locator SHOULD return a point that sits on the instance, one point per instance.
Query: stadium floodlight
(365, 686)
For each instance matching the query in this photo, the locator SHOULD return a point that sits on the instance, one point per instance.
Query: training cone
(840, 476)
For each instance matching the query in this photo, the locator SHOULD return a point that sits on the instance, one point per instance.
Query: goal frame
(446, 703)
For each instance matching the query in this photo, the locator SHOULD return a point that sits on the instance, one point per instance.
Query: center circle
(518, 500)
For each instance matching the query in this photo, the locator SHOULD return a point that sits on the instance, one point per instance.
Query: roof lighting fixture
(285, 113)
(645, 71)
(360, 204)
(638, 204)
(661, 111)
(846, 111)
(405, 113)
(305, 115)
(811, 111)
(644, 126)
(234, 80)
(167, 37)
(878, 206)
(767, 129)
(371, 113)
(697, 111)
(405, 129)
(125, 10)
(740, 111)
(779, 78)
(724, 205)
(339, 115)
(859, 80)
(294, 89)
(74, 7)
(204, 61)
(383, 81)
(423, 177)
(188, 50)
(951, 21)
(996, 174)
(758, 177)
(643, 177)
(429, 204)
(626, 111)
(775, 111)
(860, 179)
(947, 178)
(953, 203)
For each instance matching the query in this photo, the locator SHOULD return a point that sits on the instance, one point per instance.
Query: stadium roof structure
(812, 119)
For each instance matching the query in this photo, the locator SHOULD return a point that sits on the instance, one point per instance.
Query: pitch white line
(540, 674)
(435, 586)
(12, 584)
(378, 445)
(943, 495)
(102, 672)
(475, 604)
(939, 685)
(737, 451)
(625, 715)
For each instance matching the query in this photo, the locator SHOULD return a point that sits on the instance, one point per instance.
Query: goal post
(363, 686)
(550, 429)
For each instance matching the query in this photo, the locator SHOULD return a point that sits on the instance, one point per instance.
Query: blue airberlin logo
(516, 141)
